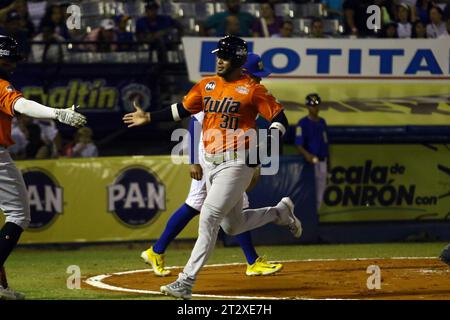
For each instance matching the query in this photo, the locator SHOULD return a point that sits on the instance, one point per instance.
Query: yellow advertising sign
(364, 103)
(104, 199)
(387, 182)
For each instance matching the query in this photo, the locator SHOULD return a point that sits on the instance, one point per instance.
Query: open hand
(137, 118)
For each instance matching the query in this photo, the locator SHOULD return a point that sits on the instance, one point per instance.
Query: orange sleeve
(192, 101)
(8, 96)
(265, 103)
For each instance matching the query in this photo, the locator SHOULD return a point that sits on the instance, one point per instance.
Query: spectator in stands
(36, 147)
(404, 26)
(437, 26)
(446, 35)
(232, 26)
(155, 29)
(25, 22)
(124, 37)
(388, 10)
(48, 131)
(355, 18)
(423, 8)
(389, 31)
(85, 146)
(447, 10)
(51, 49)
(268, 24)
(36, 11)
(333, 8)
(419, 30)
(412, 9)
(286, 31)
(215, 25)
(104, 35)
(317, 29)
(55, 16)
(17, 150)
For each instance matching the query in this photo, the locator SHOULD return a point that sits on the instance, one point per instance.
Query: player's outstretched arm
(175, 112)
(36, 110)
(136, 118)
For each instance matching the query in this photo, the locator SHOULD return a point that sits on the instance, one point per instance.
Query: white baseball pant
(226, 183)
(197, 192)
(13, 193)
(320, 173)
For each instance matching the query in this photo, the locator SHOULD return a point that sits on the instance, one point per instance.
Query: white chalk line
(97, 281)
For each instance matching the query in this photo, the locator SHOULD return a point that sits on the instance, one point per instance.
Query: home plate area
(392, 278)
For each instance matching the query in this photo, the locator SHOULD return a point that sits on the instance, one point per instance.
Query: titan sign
(45, 197)
(136, 196)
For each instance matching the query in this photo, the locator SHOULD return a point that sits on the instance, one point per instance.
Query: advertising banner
(103, 199)
(103, 92)
(387, 183)
(343, 59)
(362, 82)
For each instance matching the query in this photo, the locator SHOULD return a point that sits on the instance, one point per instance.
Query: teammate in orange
(231, 101)
(13, 194)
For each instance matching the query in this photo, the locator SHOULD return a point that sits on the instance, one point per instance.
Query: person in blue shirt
(155, 29)
(311, 140)
(216, 24)
(333, 8)
(124, 38)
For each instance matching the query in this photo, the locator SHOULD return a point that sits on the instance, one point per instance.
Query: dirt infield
(326, 279)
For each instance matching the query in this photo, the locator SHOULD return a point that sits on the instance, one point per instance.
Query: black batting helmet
(232, 48)
(8, 48)
(313, 99)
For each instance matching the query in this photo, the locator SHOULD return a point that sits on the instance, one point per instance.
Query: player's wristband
(280, 123)
(175, 112)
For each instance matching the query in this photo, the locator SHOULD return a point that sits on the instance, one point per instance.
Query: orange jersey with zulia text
(230, 110)
(8, 96)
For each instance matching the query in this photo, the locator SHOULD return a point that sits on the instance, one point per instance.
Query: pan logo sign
(136, 196)
(45, 197)
(371, 185)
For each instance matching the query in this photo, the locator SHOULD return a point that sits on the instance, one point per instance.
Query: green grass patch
(41, 273)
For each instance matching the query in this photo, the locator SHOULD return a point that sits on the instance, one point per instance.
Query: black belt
(322, 158)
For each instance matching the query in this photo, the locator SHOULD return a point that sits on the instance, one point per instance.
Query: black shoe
(445, 255)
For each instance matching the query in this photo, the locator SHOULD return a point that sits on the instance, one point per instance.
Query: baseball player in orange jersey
(230, 101)
(256, 265)
(13, 194)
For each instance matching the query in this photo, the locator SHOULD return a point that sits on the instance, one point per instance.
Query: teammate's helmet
(313, 99)
(8, 48)
(232, 48)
